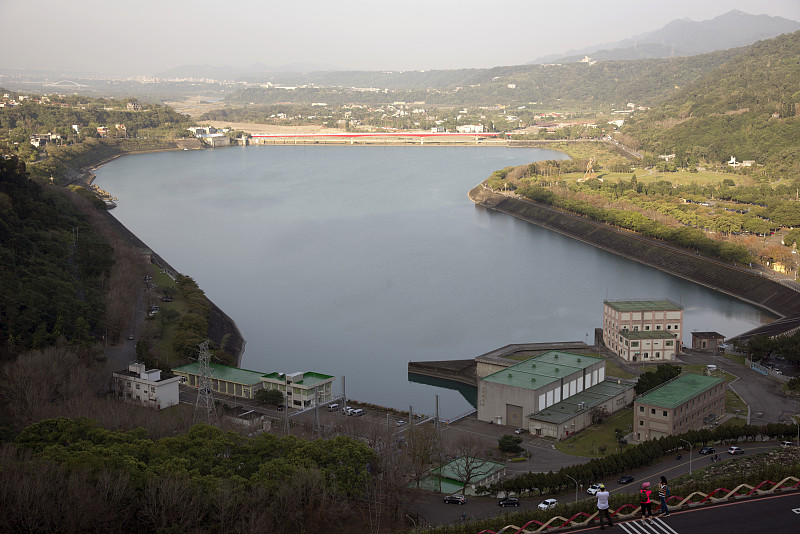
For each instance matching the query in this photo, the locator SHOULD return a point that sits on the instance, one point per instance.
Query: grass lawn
(736, 358)
(613, 370)
(588, 442)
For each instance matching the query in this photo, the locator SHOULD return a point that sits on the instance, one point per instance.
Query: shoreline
(742, 284)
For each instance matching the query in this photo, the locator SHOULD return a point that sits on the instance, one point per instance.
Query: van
(333, 407)
(357, 412)
(711, 368)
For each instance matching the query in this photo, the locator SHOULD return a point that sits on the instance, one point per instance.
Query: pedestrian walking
(602, 506)
(645, 502)
(663, 493)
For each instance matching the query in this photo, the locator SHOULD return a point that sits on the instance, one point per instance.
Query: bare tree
(470, 462)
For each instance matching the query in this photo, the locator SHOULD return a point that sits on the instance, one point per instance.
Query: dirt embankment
(743, 284)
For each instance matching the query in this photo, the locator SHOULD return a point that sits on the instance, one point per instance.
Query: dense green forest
(54, 266)
(745, 108)
(205, 480)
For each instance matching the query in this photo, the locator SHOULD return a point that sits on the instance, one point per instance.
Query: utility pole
(204, 406)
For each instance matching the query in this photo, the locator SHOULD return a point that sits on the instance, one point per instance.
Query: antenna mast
(204, 407)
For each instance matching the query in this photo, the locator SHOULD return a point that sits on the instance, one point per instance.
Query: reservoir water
(356, 260)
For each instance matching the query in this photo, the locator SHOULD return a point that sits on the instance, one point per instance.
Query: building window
(635, 328)
(658, 327)
(664, 413)
(647, 327)
(137, 386)
(641, 422)
(653, 411)
(668, 343)
(152, 389)
(634, 344)
(129, 383)
(658, 354)
(641, 408)
(669, 327)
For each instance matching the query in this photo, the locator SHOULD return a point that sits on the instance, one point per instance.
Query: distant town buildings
(643, 330)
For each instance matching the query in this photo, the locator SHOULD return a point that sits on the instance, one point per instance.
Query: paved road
(435, 511)
(768, 404)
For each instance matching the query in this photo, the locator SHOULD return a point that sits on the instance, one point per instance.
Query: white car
(593, 489)
(547, 504)
(735, 450)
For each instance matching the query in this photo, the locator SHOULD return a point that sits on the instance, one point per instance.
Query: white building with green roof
(643, 330)
(506, 397)
(302, 390)
(688, 402)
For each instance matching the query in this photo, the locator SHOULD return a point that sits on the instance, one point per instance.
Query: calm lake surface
(356, 260)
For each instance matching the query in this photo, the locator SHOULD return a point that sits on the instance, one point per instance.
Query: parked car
(787, 444)
(548, 504)
(281, 407)
(509, 501)
(519, 431)
(625, 479)
(455, 499)
(130, 336)
(401, 423)
(707, 450)
(735, 450)
(593, 489)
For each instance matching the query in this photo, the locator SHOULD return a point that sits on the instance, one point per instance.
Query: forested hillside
(54, 268)
(572, 85)
(746, 108)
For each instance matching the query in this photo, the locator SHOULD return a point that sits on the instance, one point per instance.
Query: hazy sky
(148, 36)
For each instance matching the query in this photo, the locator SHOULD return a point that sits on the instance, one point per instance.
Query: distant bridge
(378, 134)
(65, 83)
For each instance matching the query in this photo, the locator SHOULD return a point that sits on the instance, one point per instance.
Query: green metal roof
(312, 379)
(542, 370)
(223, 372)
(678, 391)
(647, 334)
(568, 408)
(643, 305)
(480, 468)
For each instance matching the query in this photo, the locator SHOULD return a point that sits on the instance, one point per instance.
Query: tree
(509, 443)
(269, 396)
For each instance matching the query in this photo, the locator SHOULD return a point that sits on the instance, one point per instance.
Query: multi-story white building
(643, 330)
(149, 387)
(301, 390)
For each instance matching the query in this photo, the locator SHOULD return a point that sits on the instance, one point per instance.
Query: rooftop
(223, 372)
(708, 335)
(543, 369)
(586, 399)
(480, 468)
(643, 305)
(674, 393)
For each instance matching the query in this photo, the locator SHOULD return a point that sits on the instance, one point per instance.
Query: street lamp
(690, 454)
(576, 486)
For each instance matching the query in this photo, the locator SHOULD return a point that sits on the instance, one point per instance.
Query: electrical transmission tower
(204, 407)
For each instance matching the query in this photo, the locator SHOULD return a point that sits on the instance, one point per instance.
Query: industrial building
(149, 387)
(643, 330)
(687, 402)
(302, 389)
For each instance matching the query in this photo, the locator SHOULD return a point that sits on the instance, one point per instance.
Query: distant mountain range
(234, 73)
(685, 38)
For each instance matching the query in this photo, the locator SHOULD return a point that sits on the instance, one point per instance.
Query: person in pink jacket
(645, 502)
